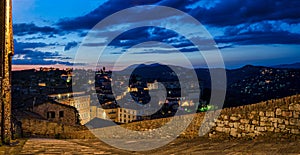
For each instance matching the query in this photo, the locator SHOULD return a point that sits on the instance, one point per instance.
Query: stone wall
(44, 128)
(277, 117)
(6, 52)
(280, 116)
(273, 116)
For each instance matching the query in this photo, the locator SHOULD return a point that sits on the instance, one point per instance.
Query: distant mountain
(292, 66)
(159, 71)
(247, 71)
(151, 71)
(143, 65)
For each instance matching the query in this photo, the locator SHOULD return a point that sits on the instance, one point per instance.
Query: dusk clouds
(70, 45)
(232, 23)
(22, 29)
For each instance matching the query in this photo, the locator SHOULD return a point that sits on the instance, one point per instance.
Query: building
(57, 112)
(153, 85)
(118, 115)
(126, 115)
(78, 100)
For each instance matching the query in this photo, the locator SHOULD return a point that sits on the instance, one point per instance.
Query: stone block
(295, 131)
(251, 116)
(212, 124)
(236, 125)
(270, 114)
(260, 129)
(253, 112)
(280, 121)
(226, 130)
(263, 119)
(255, 122)
(278, 112)
(252, 128)
(272, 119)
(226, 122)
(286, 122)
(233, 132)
(252, 134)
(270, 129)
(234, 118)
(277, 130)
(225, 117)
(287, 114)
(242, 127)
(256, 132)
(261, 113)
(295, 107)
(296, 114)
(281, 126)
(220, 124)
(294, 121)
(219, 129)
(265, 124)
(239, 135)
(244, 121)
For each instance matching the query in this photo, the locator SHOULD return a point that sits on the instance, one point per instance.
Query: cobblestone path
(179, 146)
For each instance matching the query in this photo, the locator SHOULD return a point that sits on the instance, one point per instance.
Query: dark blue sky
(258, 32)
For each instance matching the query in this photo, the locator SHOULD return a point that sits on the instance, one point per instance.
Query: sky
(68, 33)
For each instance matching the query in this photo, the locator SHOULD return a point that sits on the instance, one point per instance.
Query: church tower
(6, 52)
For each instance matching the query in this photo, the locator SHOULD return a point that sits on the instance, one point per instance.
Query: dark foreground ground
(179, 146)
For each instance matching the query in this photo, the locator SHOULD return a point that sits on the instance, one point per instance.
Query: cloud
(255, 38)
(25, 45)
(26, 57)
(26, 53)
(93, 44)
(22, 29)
(258, 33)
(91, 19)
(39, 62)
(167, 51)
(247, 22)
(35, 38)
(70, 45)
(229, 14)
(235, 12)
(145, 34)
(217, 13)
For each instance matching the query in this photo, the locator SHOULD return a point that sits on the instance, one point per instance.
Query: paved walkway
(179, 146)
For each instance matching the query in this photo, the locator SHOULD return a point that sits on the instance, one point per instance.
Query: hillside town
(48, 92)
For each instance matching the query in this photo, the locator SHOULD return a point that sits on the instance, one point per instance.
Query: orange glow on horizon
(26, 67)
(37, 67)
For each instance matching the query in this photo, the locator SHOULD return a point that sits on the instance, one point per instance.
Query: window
(51, 114)
(61, 114)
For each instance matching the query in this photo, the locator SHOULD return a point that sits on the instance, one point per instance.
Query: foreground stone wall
(277, 117)
(280, 116)
(44, 128)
